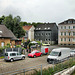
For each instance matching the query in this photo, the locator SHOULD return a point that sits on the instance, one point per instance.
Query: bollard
(24, 71)
(41, 69)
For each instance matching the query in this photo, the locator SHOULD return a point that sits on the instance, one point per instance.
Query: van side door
(13, 55)
(19, 56)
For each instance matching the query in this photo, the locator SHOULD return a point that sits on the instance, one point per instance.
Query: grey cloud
(41, 10)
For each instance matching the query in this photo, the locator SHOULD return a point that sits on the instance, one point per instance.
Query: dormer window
(73, 21)
(39, 28)
(45, 28)
(36, 28)
(69, 22)
(0, 31)
(48, 27)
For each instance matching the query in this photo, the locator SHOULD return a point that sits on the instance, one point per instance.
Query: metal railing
(24, 71)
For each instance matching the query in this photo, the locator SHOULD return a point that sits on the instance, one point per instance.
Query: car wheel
(23, 58)
(12, 60)
(41, 55)
(34, 56)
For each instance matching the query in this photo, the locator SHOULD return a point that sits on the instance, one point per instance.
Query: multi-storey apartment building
(66, 32)
(46, 32)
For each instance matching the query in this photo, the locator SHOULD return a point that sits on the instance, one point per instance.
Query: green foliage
(39, 43)
(57, 68)
(8, 45)
(30, 44)
(1, 19)
(8, 21)
(33, 23)
(14, 25)
(17, 46)
(1, 49)
(1, 57)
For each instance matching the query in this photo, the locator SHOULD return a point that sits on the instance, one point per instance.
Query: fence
(43, 70)
(10, 49)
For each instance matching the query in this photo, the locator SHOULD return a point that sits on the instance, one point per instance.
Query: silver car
(13, 56)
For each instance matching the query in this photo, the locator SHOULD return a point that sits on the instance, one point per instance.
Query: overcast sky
(39, 10)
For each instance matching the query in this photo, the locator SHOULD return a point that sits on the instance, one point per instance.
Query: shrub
(17, 46)
(8, 45)
(1, 49)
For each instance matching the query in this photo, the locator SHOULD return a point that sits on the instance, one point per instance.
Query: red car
(35, 53)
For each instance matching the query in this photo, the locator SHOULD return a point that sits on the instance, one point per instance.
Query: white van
(58, 55)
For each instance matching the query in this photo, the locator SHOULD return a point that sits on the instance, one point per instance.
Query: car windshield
(33, 52)
(72, 51)
(54, 53)
(6, 54)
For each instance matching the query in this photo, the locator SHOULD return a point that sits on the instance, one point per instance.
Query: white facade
(66, 34)
(31, 33)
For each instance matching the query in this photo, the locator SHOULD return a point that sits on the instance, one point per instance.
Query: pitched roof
(27, 27)
(13, 36)
(6, 33)
(45, 26)
(69, 21)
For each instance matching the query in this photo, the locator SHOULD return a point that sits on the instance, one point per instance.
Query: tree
(17, 30)
(8, 21)
(1, 19)
(14, 25)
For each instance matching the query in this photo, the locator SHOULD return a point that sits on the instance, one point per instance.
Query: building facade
(6, 36)
(29, 34)
(66, 32)
(46, 33)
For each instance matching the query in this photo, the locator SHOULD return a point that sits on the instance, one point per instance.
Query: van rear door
(6, 55)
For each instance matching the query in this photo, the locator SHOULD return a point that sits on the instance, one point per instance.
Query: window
(73, 27)
(64, 27)
(46, 34)
(61, 27)
(73, 39)
(69, 27)
(61, 39)
(73, 21)
(45, 28)
(61, 33)
(49, 33)
(2, 44)
(69, 39)
(37, 52)
(64, 39)
(48, 27)
(36, 28)
(73, 33)
(18, 53)
(42, 34)
(13, 54)
(45, 39)
(0, 31)
(65, 33)
(69, 21)
(6, 54)
(59, 54)
(69, 33)
(39, 28)
(49, 39)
